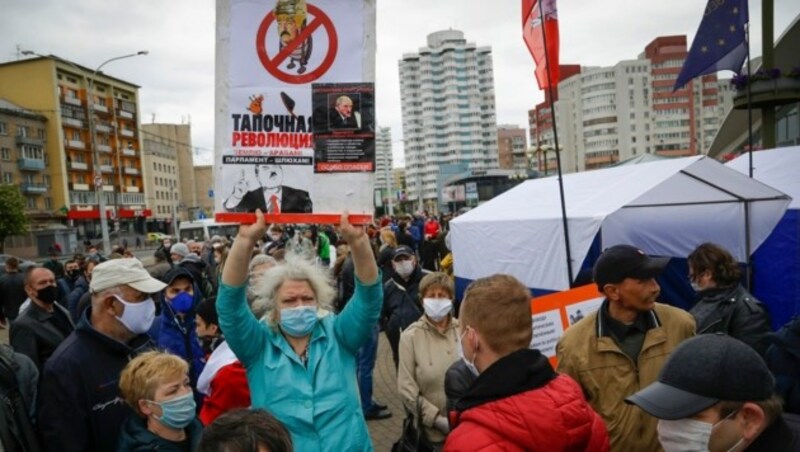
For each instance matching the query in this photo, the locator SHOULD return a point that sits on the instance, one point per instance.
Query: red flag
(535, 38)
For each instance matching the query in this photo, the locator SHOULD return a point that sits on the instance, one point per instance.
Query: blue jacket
(74, 296)
(318, 403)
(79, 405)
(179, 337)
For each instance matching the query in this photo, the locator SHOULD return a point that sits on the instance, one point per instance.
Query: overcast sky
(177, 77)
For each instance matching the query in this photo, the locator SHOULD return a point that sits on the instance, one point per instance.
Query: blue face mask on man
(299, 321)
(182, 303)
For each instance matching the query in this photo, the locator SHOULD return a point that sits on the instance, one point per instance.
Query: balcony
(100, 107)
(72, 100)
(129, 170)
(104, 128)
(29, 141)
(78, 166)
(130, 199)
(81, 195)
(124, 114)
(75, 144)
(30, 164)
(72, 122)
(127, 133)
(132, 189)
(33, 189)
(103, 148)
(80, 187)
(106, 169)
(108, 188)
(129, 152)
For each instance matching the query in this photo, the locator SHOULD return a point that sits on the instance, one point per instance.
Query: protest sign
(269, 56)
(552, 314)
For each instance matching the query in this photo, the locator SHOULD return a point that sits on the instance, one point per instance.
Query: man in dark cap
(716, 393)
(401, 304)
(621, 347)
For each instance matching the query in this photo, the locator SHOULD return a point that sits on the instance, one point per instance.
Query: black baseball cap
(624, 261)
(402, 250)
(702, 371)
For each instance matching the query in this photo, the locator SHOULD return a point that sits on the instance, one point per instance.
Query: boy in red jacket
(517, 402)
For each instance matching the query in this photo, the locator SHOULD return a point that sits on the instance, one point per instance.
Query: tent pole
(558, 152)
(749, 109)
(748, 277)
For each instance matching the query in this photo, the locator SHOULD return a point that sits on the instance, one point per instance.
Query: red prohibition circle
(271, 64)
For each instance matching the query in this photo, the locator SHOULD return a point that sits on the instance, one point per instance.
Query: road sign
(210, 193)
(271, 64)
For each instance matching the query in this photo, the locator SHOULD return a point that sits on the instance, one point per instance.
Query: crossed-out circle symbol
(271, 64)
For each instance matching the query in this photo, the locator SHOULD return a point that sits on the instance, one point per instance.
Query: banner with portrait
(270, 55)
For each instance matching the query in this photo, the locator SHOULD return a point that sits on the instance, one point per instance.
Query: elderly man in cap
(80, 407)
(715, 393)
(621, 347)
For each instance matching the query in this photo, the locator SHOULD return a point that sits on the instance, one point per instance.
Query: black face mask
(73, 274)
(47, 294)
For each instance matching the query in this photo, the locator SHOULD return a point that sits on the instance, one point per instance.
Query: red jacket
(431, 229)
(229, 390)
(550, 415)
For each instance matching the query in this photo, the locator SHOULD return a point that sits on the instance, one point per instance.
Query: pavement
(384, 432)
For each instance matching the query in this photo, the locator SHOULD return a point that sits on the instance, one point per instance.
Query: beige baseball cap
(118, 272)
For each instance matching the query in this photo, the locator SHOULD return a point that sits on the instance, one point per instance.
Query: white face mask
(137, 317)
(470, 364)
(437, 308)
(404, 268)
(688, 435)
(696, 287)
(275, 237)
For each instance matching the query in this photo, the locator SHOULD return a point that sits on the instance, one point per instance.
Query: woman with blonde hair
(427, 349)
(156, 386)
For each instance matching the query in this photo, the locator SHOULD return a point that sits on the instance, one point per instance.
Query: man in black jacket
(271, 196)
(12, 286)
(401, 304)
(79, 406)
(40, 329)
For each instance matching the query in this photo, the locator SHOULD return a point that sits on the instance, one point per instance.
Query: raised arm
(242, 329)
(355, 322)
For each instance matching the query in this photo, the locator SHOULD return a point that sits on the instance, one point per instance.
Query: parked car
(156, 236)
(24, 264)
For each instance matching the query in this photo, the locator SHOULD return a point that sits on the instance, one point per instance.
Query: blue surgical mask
(470, 364)
(182, 303)
(178, 412)
(299, 321)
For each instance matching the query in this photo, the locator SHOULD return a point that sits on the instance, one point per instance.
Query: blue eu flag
(720, 42)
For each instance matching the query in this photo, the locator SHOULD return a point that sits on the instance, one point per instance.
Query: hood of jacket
(134, 436)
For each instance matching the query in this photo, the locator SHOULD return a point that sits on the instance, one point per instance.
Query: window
(48, 203)
(47, 180)
(22, 131)
(30, 202)
(41, 133)
(7, 178)
(3, 128)
(5, 154)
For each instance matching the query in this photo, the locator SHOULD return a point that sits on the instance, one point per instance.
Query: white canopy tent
(666, 208)
(776, 167)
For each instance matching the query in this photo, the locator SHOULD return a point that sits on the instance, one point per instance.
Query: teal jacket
(319, 404)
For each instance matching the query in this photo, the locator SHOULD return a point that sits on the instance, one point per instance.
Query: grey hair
(261, 259)
(116, 290)
(294, 269)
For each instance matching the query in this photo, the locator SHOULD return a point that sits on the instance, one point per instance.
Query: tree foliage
(12, 213)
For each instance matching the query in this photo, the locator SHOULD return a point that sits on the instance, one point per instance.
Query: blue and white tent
(666, 208)
(776, 263)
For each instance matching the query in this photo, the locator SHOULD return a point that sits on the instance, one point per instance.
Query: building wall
(59, 90)
(610, 114)
(23, 160)
(511, 147)
(163, 181)
(383, 158)
(204, 181)
(448, 110)
(179, 136)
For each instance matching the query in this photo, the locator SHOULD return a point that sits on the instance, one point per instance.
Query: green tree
(12, 220)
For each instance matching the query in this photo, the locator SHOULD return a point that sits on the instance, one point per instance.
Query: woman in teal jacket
(300, 366)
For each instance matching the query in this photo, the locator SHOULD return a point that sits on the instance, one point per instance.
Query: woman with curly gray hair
(300, 364)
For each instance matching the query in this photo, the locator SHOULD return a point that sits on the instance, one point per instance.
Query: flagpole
(749, 107)
(555, 140)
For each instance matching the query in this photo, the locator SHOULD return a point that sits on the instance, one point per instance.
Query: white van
(201, 230)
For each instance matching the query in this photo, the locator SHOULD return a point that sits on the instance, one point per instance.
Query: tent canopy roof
(775, 167)
(666, 207)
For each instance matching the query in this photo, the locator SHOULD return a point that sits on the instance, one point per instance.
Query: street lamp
(98, 176)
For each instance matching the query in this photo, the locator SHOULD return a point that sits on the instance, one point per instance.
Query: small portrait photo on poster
(344, 111)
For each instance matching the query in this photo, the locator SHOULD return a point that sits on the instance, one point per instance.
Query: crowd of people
(268, 341)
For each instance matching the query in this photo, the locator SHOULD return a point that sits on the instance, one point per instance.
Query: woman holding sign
(301, 367)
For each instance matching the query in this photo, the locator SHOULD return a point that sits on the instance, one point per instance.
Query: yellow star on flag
(704, 49)
(721, 42)
(735, 10)
(733, 28)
